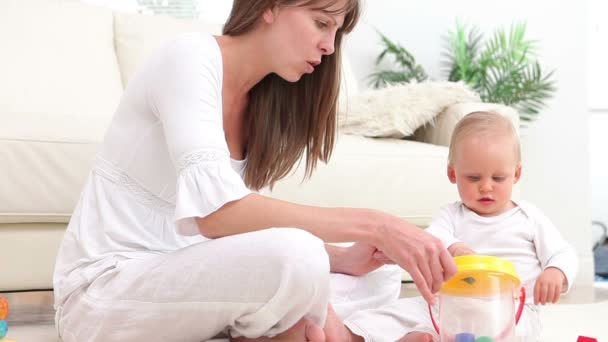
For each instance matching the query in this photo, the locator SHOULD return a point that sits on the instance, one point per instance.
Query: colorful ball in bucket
(464, 337)
(484, 339)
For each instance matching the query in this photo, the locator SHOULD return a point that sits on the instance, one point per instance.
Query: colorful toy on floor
(586, 339)
(3, 323)
(3, 308)
(3, 328)
(477, 304)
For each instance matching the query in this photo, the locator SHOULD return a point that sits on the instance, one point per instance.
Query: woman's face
(301, 36)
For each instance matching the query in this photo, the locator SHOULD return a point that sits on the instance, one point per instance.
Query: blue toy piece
(464, 337)
(3, 328)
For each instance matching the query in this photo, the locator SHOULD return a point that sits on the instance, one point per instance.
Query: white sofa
(63, 67)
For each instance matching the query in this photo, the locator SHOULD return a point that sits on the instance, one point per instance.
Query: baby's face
(485, 169)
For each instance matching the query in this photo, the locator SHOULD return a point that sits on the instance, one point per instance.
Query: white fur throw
(396, 111)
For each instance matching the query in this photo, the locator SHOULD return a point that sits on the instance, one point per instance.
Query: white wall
(556, 158)
(597, 33)
(598, 102)
(598, 126)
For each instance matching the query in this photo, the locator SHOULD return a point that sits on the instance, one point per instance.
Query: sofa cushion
(137, 35)
(405, 178)
(45, 161)
(57, 57)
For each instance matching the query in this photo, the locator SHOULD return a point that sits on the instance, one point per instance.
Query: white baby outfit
(522, 235)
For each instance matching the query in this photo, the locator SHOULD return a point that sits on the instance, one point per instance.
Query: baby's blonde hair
(486, 124)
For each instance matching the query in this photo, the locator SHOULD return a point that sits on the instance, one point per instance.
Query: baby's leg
(529, 327)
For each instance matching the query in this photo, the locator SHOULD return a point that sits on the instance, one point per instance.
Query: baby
(485, 162)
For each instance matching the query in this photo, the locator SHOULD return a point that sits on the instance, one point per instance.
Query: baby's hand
(459, 249)
(549, 286)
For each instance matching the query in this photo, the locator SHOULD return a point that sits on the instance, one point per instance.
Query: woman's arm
(255, 212)
(421, 254)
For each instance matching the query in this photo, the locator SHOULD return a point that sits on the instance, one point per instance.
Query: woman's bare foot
(303, 331)
(416, 336)
(336, 331)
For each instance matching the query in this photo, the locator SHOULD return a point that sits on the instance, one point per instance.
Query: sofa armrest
(439, 131)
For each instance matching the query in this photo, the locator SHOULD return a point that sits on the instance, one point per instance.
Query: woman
(168, 240)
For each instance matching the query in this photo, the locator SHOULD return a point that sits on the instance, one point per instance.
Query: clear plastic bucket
(479, 304)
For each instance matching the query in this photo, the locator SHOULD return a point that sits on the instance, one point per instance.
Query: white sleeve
(551, 248)
(185, 93)
(442, 226)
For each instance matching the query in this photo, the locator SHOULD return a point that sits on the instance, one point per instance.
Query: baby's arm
(557, 258)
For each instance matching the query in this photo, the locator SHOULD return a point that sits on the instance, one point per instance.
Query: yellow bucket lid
(481, 275)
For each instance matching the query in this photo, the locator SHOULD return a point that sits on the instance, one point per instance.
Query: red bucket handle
(520, 310)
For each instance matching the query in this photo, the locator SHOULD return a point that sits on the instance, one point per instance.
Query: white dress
(132, 265)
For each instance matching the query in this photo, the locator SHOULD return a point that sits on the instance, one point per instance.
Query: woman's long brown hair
(286, 120)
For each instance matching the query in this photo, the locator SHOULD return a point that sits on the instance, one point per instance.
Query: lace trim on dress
(109, 171)
(196, 157)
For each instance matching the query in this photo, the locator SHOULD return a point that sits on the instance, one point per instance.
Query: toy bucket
(478, 304)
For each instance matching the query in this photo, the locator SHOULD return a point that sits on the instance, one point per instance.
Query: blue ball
(464, 337)
(3, 328)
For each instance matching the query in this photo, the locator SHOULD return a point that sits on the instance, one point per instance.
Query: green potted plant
(503, 69)
(407, 70)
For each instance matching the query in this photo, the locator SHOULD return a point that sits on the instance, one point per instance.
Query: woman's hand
(422, 255)
(356, 260)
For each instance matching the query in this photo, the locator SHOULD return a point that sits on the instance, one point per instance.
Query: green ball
(484, 339)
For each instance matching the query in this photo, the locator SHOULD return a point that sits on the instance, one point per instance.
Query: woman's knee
(298, 254)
